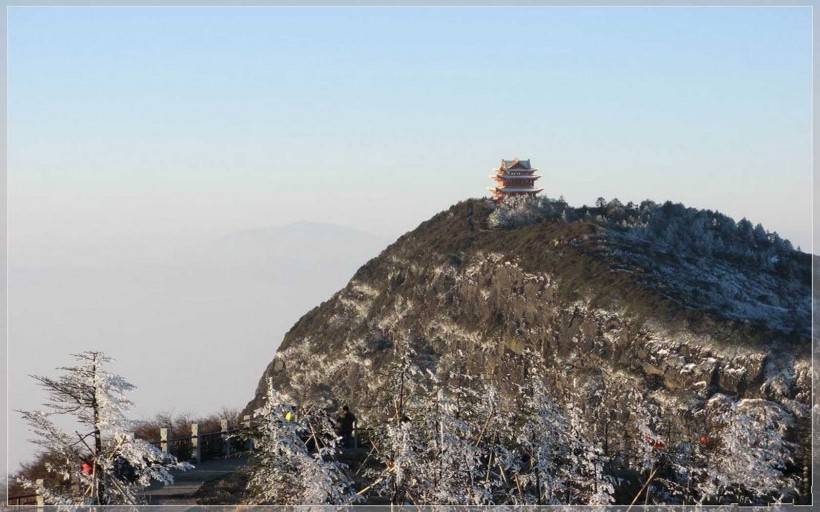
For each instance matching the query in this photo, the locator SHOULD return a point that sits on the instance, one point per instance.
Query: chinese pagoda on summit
(514, 178)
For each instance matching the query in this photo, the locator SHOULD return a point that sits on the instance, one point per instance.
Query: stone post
(226, 441)
(40, 502)
(165, 440)
(196, 449)
(246, 422)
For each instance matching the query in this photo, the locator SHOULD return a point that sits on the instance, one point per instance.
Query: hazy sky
(168, 118)
(136, 131)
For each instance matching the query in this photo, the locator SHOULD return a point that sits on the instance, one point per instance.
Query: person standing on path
(345, 425)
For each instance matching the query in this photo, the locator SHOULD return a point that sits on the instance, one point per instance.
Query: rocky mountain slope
(653, 310)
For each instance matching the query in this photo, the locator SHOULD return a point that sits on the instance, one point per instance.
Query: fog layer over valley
(190, 319)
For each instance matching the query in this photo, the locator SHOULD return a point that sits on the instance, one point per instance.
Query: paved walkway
(187, 483)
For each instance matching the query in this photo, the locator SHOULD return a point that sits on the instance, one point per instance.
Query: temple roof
(515, 164)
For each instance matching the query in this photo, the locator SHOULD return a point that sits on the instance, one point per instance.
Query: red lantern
(704, 440)
(87, 469)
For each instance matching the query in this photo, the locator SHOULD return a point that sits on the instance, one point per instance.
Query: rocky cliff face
(624, 323)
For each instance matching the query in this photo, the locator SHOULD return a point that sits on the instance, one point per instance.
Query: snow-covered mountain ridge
(652, 315)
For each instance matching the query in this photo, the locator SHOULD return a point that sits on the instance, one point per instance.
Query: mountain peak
(670, 305)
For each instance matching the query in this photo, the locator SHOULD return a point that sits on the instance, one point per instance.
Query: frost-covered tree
(399, 453)
(454, 460)
(559, 463)
(591, 485)
(515, 211)
(434, 450)
(649, 453)
(749, 454)
(101, 463)
(401, 447)
(745, 230)
(761, 236)
(295, 457)
(650, 445)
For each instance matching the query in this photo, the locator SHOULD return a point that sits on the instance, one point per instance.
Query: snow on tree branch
(103, 466)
